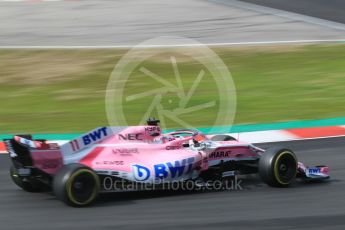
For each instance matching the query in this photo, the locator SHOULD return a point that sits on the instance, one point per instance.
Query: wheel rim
(285, 168)
(82, 187)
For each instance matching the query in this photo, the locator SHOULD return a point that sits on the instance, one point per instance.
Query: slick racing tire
(76, 185)
(278, 167)
(27, 184)
(223, 138)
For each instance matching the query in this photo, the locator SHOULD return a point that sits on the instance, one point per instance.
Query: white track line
(176, 45)
(35, 0)
(282, 13)
(304, 139)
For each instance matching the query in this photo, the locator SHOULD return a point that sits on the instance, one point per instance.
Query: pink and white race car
(80, 169)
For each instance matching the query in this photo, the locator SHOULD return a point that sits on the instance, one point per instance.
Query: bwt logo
(314, 170)
(95, 135)
(163, 171)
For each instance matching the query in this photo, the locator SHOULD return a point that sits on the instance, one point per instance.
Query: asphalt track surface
(333, 10)
(302, 206)
(113, 23)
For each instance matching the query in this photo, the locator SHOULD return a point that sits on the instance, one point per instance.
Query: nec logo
(95, 135)
(131, 137)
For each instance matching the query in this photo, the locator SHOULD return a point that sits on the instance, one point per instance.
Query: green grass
(56, 91)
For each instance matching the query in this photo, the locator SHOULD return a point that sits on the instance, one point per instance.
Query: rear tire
(76, 185)
(27, 184)
(278, 167)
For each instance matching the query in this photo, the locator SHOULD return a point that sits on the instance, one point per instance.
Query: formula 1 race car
(80, 169)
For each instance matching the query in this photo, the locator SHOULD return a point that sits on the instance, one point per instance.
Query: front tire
(278, 167)
(76, 185)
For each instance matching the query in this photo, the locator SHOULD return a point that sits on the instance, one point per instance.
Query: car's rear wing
(20, 147)
(19, 153)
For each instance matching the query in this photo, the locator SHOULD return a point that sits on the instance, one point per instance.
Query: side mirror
(155, 134)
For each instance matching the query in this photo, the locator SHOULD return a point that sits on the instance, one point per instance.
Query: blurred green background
(63, 91)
